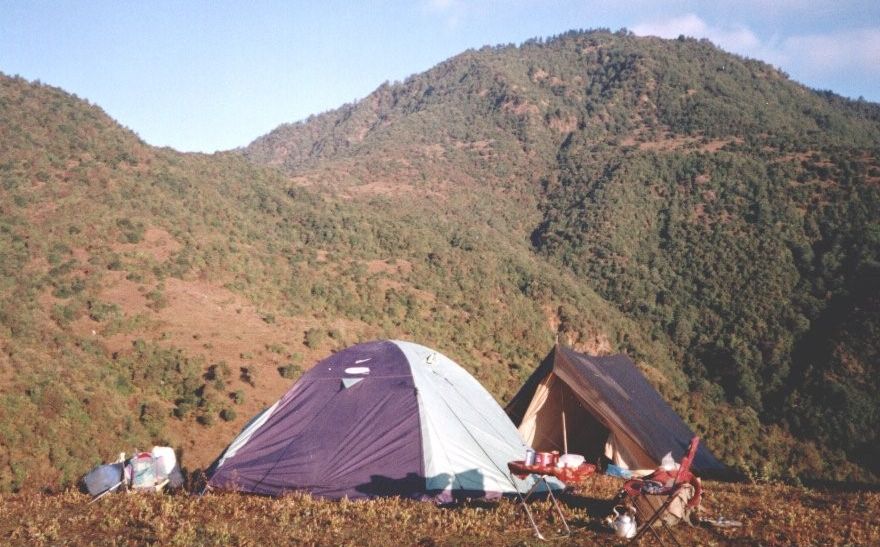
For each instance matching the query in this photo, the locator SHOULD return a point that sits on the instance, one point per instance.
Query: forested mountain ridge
(729, 210)
(593, 84)
(150, 296)
(701, 212)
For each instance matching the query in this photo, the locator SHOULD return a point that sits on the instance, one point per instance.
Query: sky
(214, 75)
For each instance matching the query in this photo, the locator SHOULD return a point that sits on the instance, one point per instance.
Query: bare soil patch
(385, 266)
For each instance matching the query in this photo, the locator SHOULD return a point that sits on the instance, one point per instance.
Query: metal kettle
(624, 524)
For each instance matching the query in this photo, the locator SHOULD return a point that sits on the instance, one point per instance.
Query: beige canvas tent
(601, 406)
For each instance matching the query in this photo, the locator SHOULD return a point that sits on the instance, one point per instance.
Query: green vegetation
(729, 212)
(289, 371)
(699, 211)
(747, 281)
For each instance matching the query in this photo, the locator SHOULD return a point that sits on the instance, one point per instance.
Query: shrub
(217, 374)
(246, 375)
(132, 232)
(218, 384)
(66, 290)
(156, 299)
(65, 314)
(99, 311)
(275, 348)
(182, 408)
(152, 416)
(289, 371)
(314, 337)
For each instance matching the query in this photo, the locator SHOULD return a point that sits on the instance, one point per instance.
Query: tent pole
(564, 431)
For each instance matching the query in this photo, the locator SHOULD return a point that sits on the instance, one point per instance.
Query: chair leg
(649, 524)
(671, 533)
(656, 535)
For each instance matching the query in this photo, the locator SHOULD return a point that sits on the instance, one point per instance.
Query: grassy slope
(771, 515)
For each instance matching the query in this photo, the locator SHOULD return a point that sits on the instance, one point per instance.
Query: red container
(546, 459)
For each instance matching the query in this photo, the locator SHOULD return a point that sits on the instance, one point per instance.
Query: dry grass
(771, 515)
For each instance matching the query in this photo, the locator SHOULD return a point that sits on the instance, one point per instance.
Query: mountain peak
(593, 84)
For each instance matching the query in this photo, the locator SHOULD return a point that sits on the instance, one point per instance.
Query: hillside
(701, 212)
(729, 211)
(152, 296)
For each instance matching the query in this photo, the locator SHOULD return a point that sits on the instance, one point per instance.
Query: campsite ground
(772, 514)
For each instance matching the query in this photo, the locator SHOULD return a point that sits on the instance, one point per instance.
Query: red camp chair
(635, 488)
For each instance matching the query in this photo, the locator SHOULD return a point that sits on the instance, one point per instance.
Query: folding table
(540, 473)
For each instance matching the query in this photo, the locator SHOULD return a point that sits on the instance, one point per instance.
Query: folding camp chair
(658, 486)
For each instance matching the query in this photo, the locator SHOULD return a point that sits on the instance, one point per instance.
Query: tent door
(586, 435)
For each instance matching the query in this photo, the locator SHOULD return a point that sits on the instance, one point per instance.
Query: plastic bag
(570, 460)
(143, 471)
(165, 460)
(668, 463)
(167, 466)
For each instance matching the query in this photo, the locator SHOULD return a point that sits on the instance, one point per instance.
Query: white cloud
(451, 11)
(820, 60)
(735, 38)
(857, 49)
